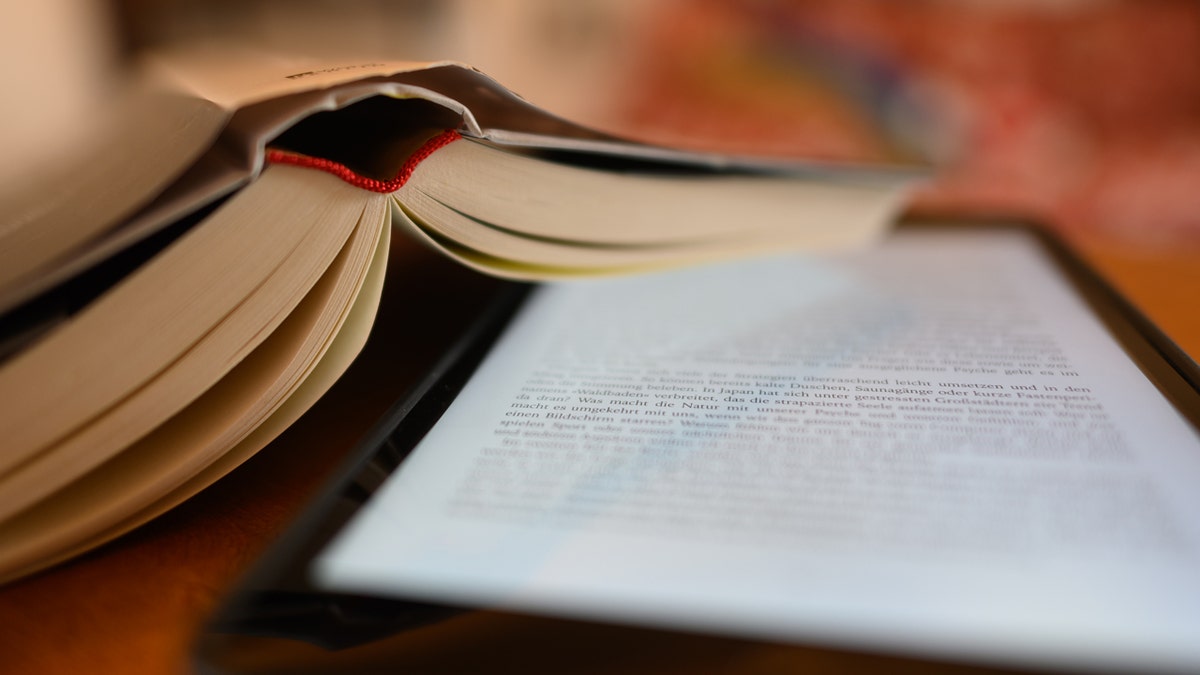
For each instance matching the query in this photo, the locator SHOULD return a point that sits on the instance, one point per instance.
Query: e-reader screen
(936, 446)
(955, 444)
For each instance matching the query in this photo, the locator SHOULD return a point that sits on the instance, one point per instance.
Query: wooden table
(135, 605)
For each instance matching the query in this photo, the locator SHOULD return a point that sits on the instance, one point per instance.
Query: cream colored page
(147, 141)
(523, 195)
(234, 76)
(207, 440)
(188, 297)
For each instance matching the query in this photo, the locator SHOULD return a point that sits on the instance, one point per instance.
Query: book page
(233, 74)
(930, 446)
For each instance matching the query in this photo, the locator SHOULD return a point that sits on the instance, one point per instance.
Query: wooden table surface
(135, 605)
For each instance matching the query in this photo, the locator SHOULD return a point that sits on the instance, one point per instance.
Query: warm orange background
(1086, 114)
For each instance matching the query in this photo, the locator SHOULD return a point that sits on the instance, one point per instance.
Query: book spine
(276, 156)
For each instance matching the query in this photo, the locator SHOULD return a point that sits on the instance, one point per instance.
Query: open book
(261, 194)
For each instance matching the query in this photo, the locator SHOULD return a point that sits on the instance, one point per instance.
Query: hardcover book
(240, 215)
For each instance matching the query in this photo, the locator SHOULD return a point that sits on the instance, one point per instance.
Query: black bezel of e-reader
(277, 611)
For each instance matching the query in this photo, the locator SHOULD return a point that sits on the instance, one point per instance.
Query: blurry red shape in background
(1086, 113)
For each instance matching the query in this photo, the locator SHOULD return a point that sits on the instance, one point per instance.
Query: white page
(929, 446)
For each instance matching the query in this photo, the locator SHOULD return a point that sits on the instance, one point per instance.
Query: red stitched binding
(344, 172)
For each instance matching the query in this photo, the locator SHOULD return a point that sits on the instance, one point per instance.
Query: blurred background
(1085, 113)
